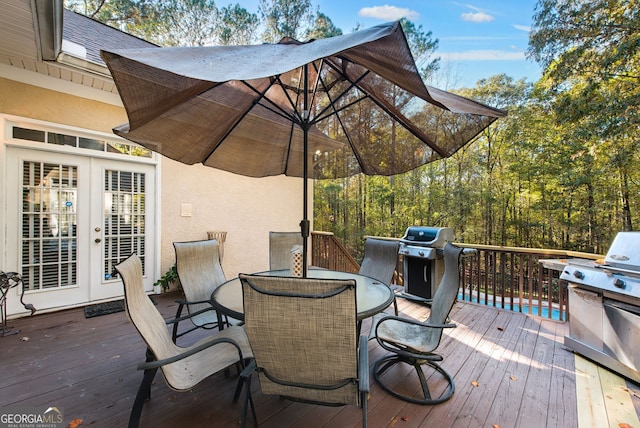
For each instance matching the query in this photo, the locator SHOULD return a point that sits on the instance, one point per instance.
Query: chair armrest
(248, 369)
(187, 302)
(363, 364)
(186, 317)
(414, 322)
(188, 353)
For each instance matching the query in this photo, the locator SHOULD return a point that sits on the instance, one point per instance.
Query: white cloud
(522, 27)
(477, 17)
(388, 13)
(483, 55)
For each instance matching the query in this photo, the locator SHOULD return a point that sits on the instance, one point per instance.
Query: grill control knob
(421, 253)
(578, 274)
(619, 283)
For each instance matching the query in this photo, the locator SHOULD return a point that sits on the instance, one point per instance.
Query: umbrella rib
(291, 102)
(406, 123)
(239, 119)
(337, 110)
(356, 153)
(276, 109)
(395, 114)
(289, 146)
(353, 84)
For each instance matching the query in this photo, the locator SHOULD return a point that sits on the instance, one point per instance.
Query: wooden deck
(511, 370)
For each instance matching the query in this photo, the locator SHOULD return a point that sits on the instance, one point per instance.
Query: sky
(476, 39)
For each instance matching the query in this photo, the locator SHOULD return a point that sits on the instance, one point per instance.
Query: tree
(236, 26)
(596, 39)
(285, 18)
(323, 28)
(423, 46)
(188, 23)
(590, 51)
(138, 17)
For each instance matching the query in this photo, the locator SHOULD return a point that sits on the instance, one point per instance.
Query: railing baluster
(486, 275)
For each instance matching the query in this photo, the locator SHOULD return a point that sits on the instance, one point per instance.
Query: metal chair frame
(200, 273)
(414, 343)
(282, 313)
(182, 367)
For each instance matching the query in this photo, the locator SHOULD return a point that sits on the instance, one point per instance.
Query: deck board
(87, 367)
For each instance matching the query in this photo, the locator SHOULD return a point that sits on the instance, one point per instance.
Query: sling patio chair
(303, 336)
(182, 367)
(414, 343)
(380, 260)
(280, 245)
(200, 273)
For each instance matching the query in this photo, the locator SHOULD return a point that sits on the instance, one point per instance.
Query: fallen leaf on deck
(24, 338)
(475, 383)
(623, 425)
(512, 377)
(501, 328)
(75, 423)
(404, 418)
(496, 426)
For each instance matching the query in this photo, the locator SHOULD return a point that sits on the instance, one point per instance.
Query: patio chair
(182, 368)
(200, 272)
(303, 336)
(414, 343)
(380, 259)
(280, 244)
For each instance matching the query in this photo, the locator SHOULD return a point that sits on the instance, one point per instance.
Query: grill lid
(431, 236)
(624, 252)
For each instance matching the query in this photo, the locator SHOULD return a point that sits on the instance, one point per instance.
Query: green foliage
(168, 278)
(423, 47)
(285, 18)
(558, 172)
(323, 28)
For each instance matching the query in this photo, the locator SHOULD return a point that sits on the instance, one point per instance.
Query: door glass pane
(48, 238)
(124, 217)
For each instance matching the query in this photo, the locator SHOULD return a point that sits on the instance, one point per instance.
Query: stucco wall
(37, 103)
(246, 208)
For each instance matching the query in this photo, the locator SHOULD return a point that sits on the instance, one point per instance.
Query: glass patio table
(372, 296)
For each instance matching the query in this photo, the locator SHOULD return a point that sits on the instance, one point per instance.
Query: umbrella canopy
(327, 108)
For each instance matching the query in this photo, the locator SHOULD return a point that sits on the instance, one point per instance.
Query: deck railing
(511, 278)
(514, 278)
(328, 252)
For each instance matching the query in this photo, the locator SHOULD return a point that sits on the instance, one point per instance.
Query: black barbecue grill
(423, 260)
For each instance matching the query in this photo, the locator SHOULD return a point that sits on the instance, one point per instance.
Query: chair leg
(144, 393)
(248, 400)
(385, 363)
(363, 399)
(241, 381)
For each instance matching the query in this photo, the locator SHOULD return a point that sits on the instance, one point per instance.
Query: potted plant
(169, 278)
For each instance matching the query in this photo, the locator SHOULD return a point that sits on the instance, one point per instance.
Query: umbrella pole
(304, 224)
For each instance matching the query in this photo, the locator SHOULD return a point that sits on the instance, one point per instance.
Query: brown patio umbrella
(327, 108)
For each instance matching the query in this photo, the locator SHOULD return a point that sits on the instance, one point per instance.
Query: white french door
(71, 219)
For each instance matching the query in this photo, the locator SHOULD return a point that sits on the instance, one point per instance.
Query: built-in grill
(604, 306)
(423, 260)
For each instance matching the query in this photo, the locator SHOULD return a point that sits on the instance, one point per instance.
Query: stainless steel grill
(604, 306)
(423, 262)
